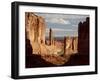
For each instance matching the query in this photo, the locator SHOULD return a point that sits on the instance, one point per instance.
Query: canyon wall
(35, 30)
(83, 37)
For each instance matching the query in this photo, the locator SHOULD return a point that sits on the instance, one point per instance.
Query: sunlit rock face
(41, 27)
(75, 44)
(71, 45)
(83, 37)
(35, 30)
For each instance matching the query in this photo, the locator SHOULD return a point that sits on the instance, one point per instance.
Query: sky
(62, 24)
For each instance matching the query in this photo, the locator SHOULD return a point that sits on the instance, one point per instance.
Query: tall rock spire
(51, 36)
(64, 45)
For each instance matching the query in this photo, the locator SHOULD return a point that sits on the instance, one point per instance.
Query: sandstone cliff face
(41, 26)
(75, 44)
(83, 39)
(35, 30)
(71, 45)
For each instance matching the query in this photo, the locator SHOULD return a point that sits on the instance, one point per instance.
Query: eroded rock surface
(35, 31)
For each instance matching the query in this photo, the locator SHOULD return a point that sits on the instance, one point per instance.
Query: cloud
(62, 18)
(74, 25)
(65, 16)
(58, 21)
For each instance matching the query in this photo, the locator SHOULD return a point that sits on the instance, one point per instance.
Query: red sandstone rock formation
(71, 45)
(35, 30)
(83, 37)
(51, 39)
(64, 45)
(75, 44)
